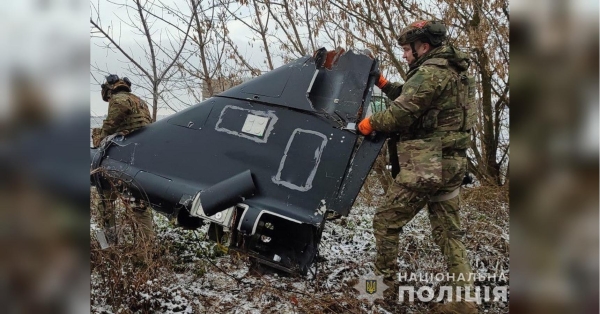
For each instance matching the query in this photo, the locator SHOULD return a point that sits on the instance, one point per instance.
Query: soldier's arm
(416, 97)
(96, 136)
(117, 112)
(392, 90)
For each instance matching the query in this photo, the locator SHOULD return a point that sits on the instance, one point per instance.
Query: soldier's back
(135, 109)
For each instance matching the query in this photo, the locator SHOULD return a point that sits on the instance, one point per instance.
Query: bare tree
(157, 66)
(205, 52)
(479, 26)
(210, 59)
(259, 24)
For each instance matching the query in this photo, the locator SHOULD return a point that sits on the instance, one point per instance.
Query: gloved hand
(96, 132)
(381, 81)
(364, 127)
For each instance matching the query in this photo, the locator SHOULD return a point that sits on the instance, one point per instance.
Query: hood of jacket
(458, 59)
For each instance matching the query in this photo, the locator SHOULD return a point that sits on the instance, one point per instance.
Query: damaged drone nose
(332, 57)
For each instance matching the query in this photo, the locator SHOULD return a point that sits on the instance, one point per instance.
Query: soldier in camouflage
(126, 113)
(433, 114)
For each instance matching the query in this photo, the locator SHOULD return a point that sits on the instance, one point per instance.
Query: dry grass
(184, 274)
(122, 270)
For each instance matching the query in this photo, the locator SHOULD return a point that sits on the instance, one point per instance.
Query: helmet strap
(414, 51)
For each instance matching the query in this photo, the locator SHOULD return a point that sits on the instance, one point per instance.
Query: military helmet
(432, 32)
(114, 83)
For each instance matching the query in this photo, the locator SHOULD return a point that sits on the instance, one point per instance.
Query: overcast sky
(115, 62)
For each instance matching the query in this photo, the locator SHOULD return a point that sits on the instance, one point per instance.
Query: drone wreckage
(262, 162)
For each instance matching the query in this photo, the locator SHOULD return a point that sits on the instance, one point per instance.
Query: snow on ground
(189, 282)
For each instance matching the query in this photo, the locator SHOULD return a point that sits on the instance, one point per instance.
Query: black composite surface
(286, 127)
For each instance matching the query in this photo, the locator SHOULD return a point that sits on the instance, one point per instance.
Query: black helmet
(114, 83)
(432, 32)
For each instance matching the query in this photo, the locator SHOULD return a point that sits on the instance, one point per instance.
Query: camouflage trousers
(142, 215)
(403, 203)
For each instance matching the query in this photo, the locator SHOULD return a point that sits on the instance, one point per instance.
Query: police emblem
(371, 287)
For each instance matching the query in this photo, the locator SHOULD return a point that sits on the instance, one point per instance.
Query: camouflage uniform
(432, 112)
(126, 113)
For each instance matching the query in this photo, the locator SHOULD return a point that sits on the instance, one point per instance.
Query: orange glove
(364, 127)
(381, 81)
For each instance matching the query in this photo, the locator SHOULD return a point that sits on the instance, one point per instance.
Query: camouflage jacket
(126, 113)
(437, 100)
